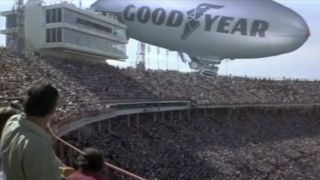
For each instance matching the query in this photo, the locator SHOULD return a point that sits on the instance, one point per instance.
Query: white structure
(65, 30)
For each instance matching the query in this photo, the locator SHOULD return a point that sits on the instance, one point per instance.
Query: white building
(65, 30)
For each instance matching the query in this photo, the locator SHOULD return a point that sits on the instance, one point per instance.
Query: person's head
(5, 114)
(92, 160)
(41, 100)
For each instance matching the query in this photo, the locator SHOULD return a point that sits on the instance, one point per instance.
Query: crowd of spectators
(88, 87)
(229, 144)
(203, 90)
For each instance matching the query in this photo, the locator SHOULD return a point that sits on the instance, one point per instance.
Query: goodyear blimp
(209, 31)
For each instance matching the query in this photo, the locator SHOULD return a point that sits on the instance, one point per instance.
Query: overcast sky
(302, 63)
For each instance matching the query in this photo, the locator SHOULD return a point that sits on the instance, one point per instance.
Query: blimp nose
(301, 26)
(291, 32)
(300, 31)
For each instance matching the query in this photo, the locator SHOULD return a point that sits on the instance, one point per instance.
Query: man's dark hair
(41, 99)
(92, 160)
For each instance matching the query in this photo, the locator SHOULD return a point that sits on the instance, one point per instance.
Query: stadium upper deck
(87, 88)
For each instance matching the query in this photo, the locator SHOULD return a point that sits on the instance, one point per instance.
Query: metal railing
(108, 165)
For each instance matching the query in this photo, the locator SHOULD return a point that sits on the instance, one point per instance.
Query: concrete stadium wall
(203, 110)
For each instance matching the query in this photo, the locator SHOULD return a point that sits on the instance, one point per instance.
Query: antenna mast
(141, 59)
(20, 27)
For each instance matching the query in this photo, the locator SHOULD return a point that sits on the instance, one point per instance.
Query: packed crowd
(180, 149)
(204, 90)
(88, 87)
(228, 144)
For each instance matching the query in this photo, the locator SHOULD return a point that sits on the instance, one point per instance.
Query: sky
(303, 63)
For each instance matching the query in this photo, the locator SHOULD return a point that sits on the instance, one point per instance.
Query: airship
(205, 32)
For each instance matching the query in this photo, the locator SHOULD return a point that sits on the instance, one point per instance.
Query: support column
(162, 114)
(171, 115)
(237, 113)
(205, 113)
(79, 134)
(310, 111)
(128, 120)
(90, 131)
(284, 112)
(154, 117)
(189, 114)
(229, 113)
(180, 116)
(138, 121)
(213, 113)
(100, 127)
(109, 125)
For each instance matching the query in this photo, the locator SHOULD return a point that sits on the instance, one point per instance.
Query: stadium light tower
(167, 59)
(141, 57)
(19, 6)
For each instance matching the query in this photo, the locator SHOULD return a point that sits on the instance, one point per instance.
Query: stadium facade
(64, 30)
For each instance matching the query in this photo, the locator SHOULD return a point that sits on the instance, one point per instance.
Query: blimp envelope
(212, 29)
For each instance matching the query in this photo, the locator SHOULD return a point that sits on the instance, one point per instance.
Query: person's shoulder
(13, 121)
(16, 117)
(11, 128)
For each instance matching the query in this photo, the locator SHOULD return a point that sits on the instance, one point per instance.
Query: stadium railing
(108, 165)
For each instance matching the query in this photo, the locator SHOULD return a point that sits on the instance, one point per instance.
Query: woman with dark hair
(91, 166)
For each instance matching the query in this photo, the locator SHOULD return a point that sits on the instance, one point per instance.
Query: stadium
(160, 124)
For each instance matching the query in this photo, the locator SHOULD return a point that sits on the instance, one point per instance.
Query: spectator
(5, 114)
(91, 165)
(25, 145)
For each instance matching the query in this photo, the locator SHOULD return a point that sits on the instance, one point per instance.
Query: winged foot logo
(193, 18)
